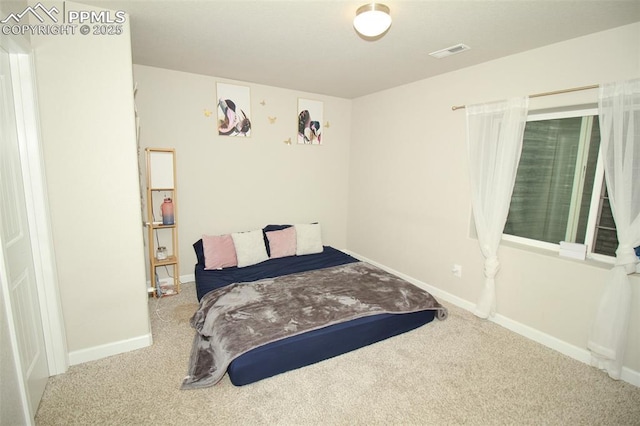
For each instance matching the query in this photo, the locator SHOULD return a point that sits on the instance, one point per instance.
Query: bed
(276, 351)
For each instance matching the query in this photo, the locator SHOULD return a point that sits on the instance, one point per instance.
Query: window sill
(550, 252)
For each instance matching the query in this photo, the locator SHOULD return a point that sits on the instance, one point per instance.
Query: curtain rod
(538, 95)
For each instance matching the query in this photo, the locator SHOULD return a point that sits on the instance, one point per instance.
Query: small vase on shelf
(167, 211)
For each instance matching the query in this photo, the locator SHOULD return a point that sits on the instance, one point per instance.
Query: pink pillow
(282, 243)
(219, 251)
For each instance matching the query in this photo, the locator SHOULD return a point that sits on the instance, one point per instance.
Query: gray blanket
(237, 318)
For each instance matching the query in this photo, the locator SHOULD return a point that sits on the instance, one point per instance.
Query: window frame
(594, 205)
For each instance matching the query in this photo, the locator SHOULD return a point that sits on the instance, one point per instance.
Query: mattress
(311, 347)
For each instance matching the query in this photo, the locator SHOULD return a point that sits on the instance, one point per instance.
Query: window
(606, 238)
(559, 193)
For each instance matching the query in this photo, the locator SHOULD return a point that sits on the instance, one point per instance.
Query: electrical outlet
(456, 270)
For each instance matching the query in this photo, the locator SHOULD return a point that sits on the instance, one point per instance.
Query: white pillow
(308, 239)
(250, 248)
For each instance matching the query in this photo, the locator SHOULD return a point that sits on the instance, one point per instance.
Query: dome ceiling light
(372, 19)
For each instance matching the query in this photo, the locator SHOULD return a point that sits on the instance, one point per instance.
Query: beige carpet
(460, 371)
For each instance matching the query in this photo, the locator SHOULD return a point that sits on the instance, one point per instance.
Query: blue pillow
(198, 247)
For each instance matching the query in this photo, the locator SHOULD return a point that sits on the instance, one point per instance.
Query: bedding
(307, 314)
(207, 281)
(315, 346)
(282, 243)
(250, 248)
(308, 239)
(219, 251)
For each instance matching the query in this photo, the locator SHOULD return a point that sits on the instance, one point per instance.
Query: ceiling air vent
(450, 51)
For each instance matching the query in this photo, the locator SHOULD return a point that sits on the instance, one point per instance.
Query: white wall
(409, 204)
(229, 184)
(85, 90)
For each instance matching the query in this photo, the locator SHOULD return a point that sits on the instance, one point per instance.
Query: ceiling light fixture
(372, 19)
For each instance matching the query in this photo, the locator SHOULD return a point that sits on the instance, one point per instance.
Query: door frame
(25, 96)
(34, 178)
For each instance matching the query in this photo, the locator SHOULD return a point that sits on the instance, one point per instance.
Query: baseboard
(168, 280)
(184, 279)
(109, 349)
(630, 376)
(187, 278)
(583, 355)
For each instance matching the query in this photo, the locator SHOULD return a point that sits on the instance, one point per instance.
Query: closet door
(18, 282)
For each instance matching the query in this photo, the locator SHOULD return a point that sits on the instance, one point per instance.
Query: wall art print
(234, 110)
(309, 122)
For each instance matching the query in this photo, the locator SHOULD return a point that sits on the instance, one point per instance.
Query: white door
(19, 282)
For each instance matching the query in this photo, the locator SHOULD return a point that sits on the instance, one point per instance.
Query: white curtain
(619, 111)
(494, 141)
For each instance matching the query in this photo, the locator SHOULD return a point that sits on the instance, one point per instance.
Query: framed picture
(234, 110)
(309, 122)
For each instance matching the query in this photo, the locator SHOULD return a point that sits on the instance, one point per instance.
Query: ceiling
(311, 46)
